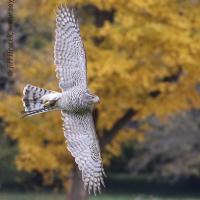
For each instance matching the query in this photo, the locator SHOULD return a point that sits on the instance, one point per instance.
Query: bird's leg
(49, 103)
(50, 99)
(46, 103)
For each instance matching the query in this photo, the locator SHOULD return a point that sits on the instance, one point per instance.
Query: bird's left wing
(69, 52)
(82, 142)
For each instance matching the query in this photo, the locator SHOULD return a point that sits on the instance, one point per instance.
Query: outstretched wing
(82, 142)
(69, 52)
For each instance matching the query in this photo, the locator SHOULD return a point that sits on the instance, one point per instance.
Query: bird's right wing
(69, 52)
(82, 142)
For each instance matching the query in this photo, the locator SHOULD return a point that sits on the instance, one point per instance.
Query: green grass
(35, 196)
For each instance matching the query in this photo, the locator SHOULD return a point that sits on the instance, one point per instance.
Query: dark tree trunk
(109, 135)
(76, 190)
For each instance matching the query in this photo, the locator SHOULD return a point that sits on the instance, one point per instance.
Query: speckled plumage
(75, 101)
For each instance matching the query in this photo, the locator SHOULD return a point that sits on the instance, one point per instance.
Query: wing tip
(93, 183)
(66, 13)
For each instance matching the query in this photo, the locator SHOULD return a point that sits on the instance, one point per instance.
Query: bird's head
(91, 98)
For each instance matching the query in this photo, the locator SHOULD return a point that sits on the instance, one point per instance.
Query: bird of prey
(75, 101)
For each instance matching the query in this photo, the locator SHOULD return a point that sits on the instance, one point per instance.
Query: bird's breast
(73, 102)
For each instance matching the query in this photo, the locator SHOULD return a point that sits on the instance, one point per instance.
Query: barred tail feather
(32, 100)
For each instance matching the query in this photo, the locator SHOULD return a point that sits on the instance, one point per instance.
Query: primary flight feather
(75, 101)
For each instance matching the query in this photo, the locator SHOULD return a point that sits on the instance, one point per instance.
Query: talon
(46, 103)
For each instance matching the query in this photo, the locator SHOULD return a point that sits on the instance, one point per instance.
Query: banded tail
(38, 100)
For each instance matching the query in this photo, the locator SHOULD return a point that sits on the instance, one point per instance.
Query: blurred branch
(118, 125)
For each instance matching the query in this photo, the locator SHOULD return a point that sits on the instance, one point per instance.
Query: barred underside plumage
(69, 52)
(79, 130)
(82, 142)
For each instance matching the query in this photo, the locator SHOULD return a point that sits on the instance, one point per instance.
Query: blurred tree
(8, 152)
(11, 178)
(167, 148)
(142, 56)
(5, 80)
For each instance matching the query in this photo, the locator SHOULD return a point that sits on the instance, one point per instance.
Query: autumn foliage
(142, 55)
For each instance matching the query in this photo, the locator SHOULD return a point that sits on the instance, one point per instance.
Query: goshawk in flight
(75, 101)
